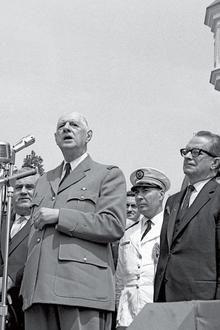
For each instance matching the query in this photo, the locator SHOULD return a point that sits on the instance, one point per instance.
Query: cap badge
(139, 174)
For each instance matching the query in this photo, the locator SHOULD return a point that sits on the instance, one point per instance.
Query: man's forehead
(74, 116)
(32, 179)
(199, 141)
(131, 200)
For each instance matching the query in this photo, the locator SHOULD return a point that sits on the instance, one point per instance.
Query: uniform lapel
(54, 178)
(203, 197)
(76, 175)
(135, 236)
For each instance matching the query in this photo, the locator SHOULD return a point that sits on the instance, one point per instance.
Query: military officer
(139, 247)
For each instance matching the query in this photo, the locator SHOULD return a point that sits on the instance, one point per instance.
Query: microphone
(5, 152)
(6, 149)
(18, 176)
(25, 142)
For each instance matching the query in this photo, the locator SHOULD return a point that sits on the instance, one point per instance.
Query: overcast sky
(138, 70)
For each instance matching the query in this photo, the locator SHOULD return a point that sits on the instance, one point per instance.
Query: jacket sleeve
(107, 222)
(119, 275)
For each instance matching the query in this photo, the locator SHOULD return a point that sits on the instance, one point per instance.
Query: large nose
(138, 195)
(188, 155)
(129, 207)
(66, 127)
(24, 190)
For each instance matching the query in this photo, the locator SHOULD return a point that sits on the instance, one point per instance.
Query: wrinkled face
(149, 200)
(198, 168)
(72, 134)
(23, 194)
(132, 210)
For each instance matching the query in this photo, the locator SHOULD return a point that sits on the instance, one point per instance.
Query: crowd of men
(84, 254)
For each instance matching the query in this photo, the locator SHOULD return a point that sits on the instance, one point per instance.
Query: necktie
(17, 225)
(67, 172)
(149, 223)
(185, 203)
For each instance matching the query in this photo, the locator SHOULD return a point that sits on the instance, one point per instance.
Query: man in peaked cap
(139, 247)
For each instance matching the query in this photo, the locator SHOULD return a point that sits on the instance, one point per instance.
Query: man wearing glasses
(189, 262)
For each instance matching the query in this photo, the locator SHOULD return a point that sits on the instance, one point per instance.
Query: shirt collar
(17, 216)
(75, 162)
(199, 185)
(155, 220)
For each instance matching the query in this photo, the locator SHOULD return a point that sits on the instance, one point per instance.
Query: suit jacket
(71, 263)
(189, 262)
(17, 253)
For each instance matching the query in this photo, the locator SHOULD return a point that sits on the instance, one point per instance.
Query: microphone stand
(9, 183)
(9, 195)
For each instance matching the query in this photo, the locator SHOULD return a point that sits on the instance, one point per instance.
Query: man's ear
(55, 136)
(215, 163)
(162, 193)
(89, 135)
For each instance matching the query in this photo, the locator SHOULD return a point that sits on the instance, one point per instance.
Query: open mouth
(67, 138)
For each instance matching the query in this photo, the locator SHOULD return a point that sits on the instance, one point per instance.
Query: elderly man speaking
(79, 208)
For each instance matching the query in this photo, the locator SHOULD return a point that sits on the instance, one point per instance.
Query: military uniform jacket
(71, 263)
(137, 261)
(189, 262)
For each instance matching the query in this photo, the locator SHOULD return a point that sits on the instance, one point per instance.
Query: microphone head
(24, 142)
(5, 152)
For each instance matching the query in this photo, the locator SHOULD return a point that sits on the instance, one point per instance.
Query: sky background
(138, 70)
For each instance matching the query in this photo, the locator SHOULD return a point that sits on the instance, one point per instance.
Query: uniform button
(53, 198)
(38, 240)
(82, 197)
(138, 276)
(137, 286)
(140, 257)
(84, 259)
(139, 266)
(84, 188)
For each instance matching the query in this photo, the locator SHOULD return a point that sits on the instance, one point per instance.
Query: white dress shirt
(198, 187)
(18, 224)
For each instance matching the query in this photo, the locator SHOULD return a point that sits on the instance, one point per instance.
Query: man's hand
(45, 216)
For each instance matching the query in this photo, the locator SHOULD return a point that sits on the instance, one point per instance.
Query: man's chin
(24, 205)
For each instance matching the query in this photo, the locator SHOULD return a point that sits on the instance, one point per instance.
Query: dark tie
(185, 203)
(67, 172)
(149, 224)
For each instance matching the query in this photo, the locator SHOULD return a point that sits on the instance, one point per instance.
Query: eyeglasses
(195, 152)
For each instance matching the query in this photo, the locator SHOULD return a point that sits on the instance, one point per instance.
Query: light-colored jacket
(136, 268)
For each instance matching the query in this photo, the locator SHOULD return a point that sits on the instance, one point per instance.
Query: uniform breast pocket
(85, 203)
(128, 256)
